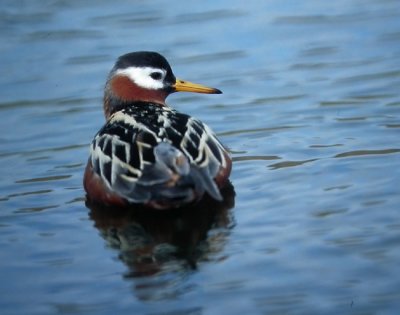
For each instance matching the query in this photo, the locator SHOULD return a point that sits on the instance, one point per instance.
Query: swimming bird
(148, 153)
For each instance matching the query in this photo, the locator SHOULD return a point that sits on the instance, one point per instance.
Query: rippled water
(310, 112)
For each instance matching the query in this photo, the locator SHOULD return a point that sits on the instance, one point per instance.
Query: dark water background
(310, 111)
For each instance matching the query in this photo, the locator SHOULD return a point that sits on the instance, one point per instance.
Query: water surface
(310, 112)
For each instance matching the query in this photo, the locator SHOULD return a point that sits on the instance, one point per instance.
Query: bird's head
(147, 77)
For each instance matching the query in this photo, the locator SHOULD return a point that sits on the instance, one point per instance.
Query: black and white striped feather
(151, 152)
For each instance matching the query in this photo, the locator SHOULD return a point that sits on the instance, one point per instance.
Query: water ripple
(43, 179)
(27, 193)
(129, 19)
(64, 101)
(35, 209)
(256, 130)
(71, 34)
(223, 55)
(370, 77)
(46, 150)
(255, 158)
(366, 152)
(289, 164)
(208, 15)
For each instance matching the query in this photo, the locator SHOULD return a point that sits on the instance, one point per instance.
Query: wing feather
(157, 153)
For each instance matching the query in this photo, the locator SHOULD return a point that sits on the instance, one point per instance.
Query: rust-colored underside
(98, 192)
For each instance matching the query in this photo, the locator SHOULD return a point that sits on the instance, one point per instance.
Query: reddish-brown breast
(97, 190)
(222, 177)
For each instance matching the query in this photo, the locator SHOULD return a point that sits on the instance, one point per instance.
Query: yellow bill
(186, 86)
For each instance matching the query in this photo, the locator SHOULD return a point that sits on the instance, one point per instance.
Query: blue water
(310, 112)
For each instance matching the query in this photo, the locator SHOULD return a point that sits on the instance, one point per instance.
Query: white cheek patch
(141, 76)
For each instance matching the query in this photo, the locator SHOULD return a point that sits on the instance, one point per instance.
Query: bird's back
(152, 154)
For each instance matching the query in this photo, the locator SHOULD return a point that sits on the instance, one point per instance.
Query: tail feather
(204, 182)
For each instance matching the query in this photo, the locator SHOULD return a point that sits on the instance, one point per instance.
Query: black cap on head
(145, 59)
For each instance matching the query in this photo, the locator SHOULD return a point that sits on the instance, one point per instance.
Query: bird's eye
(156, 75)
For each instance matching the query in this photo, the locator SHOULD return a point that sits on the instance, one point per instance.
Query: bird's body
(148, 153)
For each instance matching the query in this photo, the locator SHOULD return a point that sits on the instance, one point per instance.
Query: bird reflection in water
(149, 240)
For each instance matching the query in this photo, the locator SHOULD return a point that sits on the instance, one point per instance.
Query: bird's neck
(120, 92)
